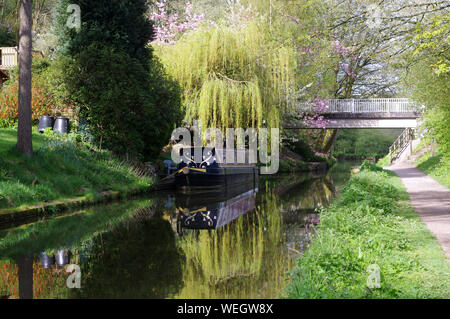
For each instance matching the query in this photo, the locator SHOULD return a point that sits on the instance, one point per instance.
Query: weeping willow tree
(230, 78)
(246, 75)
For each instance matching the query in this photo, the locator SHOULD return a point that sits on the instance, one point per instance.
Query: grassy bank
(60, 168)
(436, 167)
(371, 224)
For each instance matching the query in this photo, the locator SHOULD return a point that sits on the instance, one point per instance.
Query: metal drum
(61, 125)
(62, 257)
(46, 260)
(45, 122)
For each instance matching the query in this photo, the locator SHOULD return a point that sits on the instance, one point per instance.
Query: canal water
(240, 243)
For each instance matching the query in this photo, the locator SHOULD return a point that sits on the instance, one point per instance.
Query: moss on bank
(371, 224)
(60, 168)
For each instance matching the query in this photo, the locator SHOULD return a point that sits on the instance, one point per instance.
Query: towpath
(430, 199)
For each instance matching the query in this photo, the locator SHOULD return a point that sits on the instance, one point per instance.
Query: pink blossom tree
(170, 27)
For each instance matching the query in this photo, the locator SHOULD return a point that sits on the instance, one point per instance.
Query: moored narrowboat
(214, 170)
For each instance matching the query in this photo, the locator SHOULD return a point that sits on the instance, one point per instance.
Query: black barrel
(44, 122)
(46, 260)
(61, 125)
(62, 257)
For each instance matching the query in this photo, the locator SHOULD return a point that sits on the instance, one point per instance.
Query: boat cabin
(215, 158)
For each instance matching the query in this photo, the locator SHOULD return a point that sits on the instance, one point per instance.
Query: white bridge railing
(364, 106)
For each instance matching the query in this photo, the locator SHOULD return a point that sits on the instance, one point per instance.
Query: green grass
(384, 162)
(372, 223)
(59, 168)
(436, 167)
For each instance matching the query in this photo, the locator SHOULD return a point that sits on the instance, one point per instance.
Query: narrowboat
(211, 174)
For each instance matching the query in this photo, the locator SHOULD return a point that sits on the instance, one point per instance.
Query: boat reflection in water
(219, 214)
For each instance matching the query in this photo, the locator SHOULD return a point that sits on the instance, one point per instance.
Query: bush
(131, 106)
(127, 113)
(41, 102)
(44, 100)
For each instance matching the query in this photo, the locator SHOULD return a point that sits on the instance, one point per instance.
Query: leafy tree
(252, 67)
(427, 80)
(111, 74)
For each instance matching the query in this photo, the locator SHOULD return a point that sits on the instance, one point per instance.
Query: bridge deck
(364, 106)
(362, 113)
(373, 115)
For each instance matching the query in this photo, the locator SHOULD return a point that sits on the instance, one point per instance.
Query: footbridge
(360, 113)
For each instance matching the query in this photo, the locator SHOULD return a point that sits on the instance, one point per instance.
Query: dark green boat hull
(191, 181)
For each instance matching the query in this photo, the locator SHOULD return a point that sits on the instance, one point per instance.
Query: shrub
(44, 100)
(109, 71)
(41, 102)
(126, 112)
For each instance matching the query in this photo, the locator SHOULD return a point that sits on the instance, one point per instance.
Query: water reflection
(215, 215)
(234, 244)
(138, 258)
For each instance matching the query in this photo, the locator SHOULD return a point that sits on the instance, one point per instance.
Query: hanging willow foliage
(232, 78)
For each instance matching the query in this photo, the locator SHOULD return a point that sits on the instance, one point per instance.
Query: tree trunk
(24, 134)
(25, 274)
(329, 144)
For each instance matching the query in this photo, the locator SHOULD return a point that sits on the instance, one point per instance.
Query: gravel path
(430, 199)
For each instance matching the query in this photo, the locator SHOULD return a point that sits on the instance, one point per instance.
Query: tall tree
(24, 136)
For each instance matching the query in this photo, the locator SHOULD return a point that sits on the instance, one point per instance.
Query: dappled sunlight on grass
(59, 169)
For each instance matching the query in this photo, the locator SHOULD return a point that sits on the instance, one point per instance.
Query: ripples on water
(239, 243)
